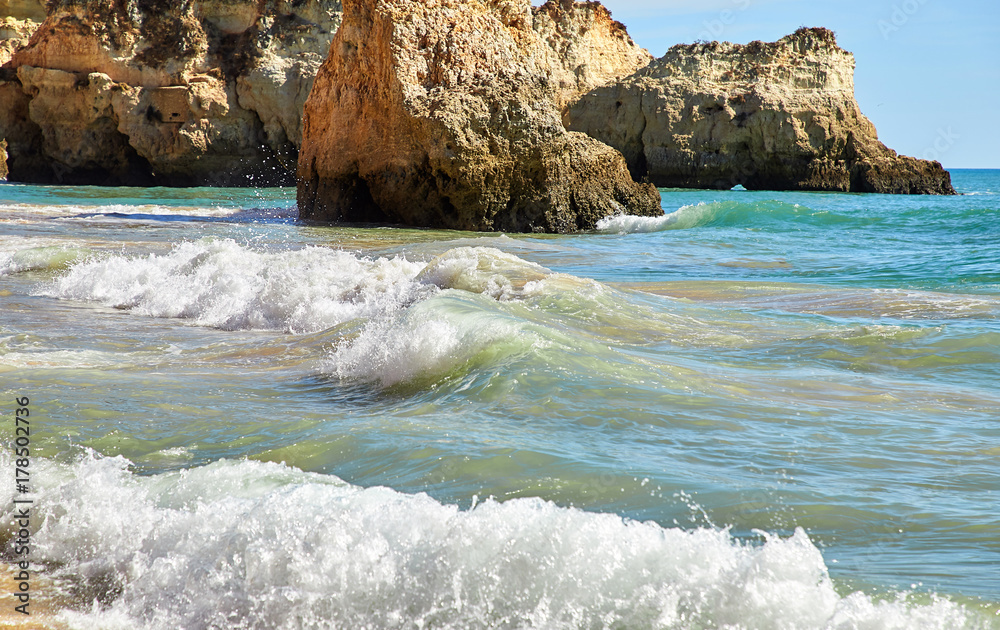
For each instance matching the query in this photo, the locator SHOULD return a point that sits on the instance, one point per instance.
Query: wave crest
(250, 544)
(223, 284)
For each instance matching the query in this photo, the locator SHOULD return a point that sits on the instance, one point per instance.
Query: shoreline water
(762, 362)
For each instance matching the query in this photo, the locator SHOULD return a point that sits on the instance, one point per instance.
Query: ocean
(767, 410)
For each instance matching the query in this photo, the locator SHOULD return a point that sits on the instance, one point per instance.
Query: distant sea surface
(762, 410)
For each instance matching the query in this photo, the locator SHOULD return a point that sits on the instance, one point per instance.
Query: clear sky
(927, 75)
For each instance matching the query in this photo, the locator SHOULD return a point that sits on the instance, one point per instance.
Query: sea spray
(429, 340)
(259, 545)
(222, 284)
(826, 362)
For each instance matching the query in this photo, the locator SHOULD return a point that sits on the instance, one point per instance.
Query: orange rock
(443, 115)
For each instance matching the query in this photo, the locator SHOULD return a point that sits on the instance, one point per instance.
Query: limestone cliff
(584, 47)
(19, 19)
(779, 116)
(190, 92)
(442, 114)
(15, 31)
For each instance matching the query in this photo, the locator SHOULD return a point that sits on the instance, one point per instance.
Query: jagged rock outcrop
(19, 19)
(779, 116)
(34, 10)
(585, 47)
(189, 92)
(442, 114)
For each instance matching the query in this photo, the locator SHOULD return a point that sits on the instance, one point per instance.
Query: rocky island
(467, 114)
(772, 116)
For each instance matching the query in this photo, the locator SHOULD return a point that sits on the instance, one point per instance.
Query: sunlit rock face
(169, 92)
(779, 116)
(444, 115)
(584, 47)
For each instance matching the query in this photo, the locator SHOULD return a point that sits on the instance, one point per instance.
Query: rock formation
(18, 20)
(212, 92)
(190, 92)
(442, 115)
(778, 116)
(584, 47)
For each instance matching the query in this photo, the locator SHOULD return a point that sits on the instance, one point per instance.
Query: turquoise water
(762, 410)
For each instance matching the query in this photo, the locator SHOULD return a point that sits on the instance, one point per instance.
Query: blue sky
(928, 71)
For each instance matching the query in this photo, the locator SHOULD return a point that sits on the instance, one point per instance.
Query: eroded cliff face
(212, 92)
(142, 92)
(443, 115)
(584, 47)
(19, 19)
(777, 116)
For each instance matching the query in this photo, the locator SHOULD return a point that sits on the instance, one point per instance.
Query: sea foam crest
(261, 545)
(447, 330)
(223, 284)
(428, 340)
(483, 270)
(396, 320)
(731, 213)
(684, 217)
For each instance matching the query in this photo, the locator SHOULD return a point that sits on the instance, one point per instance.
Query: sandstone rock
(442, 114)
(296, 39)
(584, 47)
(19, 19)
(17, 24)
(23, 137)
(203, 92)
(33, 10)
(768, 116)
(147, 42)
(14, 34)
(78, 127)
(195, 134)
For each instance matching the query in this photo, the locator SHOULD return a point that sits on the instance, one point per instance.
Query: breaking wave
(242, 544)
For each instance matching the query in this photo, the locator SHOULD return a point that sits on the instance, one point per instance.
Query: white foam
(259, 545)
(426, 341)
(460, 326)
(389, 328)
(223, 284)
(683, 218)
(482, 270)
